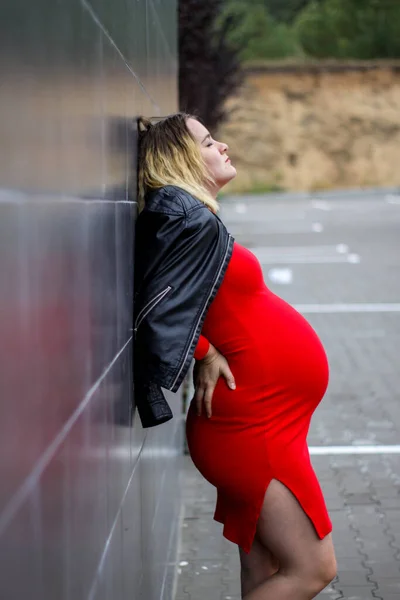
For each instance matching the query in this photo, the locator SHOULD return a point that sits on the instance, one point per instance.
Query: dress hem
(246, 545)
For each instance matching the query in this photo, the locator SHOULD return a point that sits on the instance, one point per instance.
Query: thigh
(288, 533)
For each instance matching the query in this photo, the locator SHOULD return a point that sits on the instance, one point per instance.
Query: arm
(202, 348)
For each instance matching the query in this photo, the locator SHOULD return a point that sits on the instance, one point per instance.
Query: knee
(313, 577)
(323, 573)
(330, 570)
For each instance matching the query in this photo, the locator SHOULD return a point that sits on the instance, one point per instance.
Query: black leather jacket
(182, 251)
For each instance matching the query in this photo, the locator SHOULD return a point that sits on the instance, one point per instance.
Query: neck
(213, 189)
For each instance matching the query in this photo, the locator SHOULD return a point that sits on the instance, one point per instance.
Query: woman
(260, 368)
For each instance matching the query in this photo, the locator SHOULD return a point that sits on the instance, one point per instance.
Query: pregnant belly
(278, 362)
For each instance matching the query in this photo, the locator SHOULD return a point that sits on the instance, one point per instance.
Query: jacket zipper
(149, 306)
(202, 312)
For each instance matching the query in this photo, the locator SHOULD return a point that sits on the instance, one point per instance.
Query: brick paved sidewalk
(366, 532)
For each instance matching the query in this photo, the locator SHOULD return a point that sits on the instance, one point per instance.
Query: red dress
(258, 431)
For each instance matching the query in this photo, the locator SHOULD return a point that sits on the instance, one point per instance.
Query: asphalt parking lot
(336, 258)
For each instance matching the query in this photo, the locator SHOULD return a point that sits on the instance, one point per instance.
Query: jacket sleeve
(179, 244)
(202, 348)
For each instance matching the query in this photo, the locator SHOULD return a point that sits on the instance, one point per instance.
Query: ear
(143, 124)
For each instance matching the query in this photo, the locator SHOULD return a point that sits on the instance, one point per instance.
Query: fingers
(208, 399)
(205, 380)
(204, 396)
(230, 380)
(198, 398)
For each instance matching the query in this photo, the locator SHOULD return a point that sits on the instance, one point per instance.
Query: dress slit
(244, 536)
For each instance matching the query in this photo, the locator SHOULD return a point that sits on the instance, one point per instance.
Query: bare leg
(306, 563)
(256, 566)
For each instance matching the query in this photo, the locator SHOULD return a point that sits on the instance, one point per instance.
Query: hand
(205, 377)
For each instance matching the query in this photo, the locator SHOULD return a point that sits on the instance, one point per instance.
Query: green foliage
(259, 34)
(359, 29)
(316, 32)
(285, 10)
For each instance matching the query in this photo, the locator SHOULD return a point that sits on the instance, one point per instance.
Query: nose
(224, 147)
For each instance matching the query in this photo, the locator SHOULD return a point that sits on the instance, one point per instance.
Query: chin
(226, 177)
(231, 175)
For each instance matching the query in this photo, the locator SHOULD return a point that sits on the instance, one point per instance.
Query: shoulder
(171, 199)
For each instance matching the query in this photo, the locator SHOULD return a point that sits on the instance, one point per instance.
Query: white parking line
(281, 276)
(317, 227)
(353, 258)
(335, 450)
(321, 205)
(309, 260)
(340, 253)
(124, 453)
(348, 308)
(392, 199)
(241, 208)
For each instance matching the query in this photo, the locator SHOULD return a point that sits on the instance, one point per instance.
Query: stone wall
(316, 127)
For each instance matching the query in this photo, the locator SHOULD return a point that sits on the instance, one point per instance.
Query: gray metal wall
(88, 500)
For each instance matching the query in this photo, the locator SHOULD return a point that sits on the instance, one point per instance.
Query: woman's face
(214, 154)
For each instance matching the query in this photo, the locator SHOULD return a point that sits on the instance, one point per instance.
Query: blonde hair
(169, 154)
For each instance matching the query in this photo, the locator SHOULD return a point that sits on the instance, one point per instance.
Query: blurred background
(307, 95)
(305, 92)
